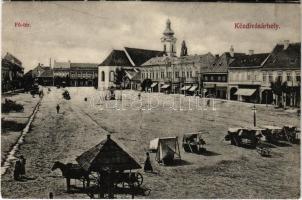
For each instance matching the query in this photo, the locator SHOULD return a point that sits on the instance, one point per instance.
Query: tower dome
(168, 31)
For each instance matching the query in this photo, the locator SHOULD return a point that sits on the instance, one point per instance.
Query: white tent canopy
(245, 92)
(193, 88)
(164, 147)
(165, 86)
(153, 85)
(185, 87)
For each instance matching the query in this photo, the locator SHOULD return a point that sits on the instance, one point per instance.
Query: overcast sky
(88, 31)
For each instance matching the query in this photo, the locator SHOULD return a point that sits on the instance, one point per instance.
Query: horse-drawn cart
(193, 142)
(113, 167)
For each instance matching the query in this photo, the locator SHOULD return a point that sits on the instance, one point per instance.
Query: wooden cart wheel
(139, 179)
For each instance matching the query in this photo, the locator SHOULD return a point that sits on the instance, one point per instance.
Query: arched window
(103, 76)
(111, 76)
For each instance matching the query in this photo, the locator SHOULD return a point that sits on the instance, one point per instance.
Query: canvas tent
(107, 155)
(166, 148)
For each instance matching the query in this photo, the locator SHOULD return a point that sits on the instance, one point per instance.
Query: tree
(95, 83)
(146, 84)
(280, 88)
(119, 76)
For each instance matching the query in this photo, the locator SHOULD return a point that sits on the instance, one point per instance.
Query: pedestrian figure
(22, 166)
(208, 102)
(17, 170)
(148, 166)
(139, 96)
(58, 108)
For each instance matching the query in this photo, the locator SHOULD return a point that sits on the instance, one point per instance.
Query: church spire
(168, 40)
(184, 50)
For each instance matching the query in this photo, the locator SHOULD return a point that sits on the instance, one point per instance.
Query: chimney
(251, 52)
(232, 51)
(286, 44)
(217, 55)
(108, 136)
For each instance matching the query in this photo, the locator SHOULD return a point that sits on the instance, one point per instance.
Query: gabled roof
(83, 65)
(107, 155)
(116, 58)
(139, 56)
(221, 63)
(47, 73)
(281, 58)
(254, 60)
(12, 59)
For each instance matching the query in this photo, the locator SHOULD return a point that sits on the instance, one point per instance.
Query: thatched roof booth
(107, 155)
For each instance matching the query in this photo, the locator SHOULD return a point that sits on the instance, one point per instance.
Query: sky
(89, 31)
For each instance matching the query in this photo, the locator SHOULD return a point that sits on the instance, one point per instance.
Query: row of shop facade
(65, 74)
(234, 76)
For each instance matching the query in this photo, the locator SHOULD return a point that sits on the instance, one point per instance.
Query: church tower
(184, 49)
(168, 40)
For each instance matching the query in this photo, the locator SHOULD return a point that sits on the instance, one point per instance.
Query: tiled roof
(83, 65)
(139, 56)
(65, 65)
(254, 60)
(28, 74)
(202, 60)
(284, 58)
(116, 58)
(12, 59)
(221, 63)
(46, 73)
(107, 155)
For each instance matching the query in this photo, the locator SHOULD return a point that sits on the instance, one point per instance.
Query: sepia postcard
(150, 100)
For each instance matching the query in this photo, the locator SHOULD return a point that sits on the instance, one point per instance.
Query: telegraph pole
(254, 109)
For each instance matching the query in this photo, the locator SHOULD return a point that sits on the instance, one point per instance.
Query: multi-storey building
(282, 68)
(215, 76)
(61, 69)
(83, 74)
(75, 74)
(175, 74)
(11, 72)
(244, 77)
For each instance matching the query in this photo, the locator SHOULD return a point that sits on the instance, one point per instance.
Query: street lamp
(254, 109)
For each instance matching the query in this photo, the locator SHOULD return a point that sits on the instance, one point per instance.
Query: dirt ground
(226, 172)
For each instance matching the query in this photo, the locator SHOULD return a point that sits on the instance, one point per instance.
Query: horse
(72, 171)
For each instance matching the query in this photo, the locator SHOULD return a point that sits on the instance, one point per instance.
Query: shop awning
(165, 86)
(185, 87)
(153, 85)
(209, 85)
(245, 92)
(193, 88)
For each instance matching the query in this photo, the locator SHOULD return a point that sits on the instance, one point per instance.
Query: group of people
(19, 170)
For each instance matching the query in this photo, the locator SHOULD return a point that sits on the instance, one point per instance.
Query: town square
(164, 116)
